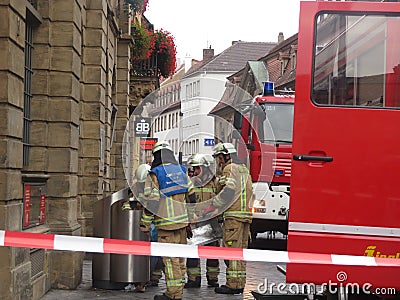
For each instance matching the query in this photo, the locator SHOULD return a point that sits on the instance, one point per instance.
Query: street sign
(142, 127)
(208, 142)
(147, 143)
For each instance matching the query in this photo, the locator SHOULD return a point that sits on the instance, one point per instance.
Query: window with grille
(27, 92)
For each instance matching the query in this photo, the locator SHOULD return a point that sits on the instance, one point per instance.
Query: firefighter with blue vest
(235, 191)
(169, 186)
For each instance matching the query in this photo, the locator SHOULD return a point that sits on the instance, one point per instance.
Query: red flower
(165, 50)
(159, 44)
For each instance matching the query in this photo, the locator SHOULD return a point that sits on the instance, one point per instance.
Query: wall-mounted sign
(42, 208)
(142, 127)
(27, 205)
(147, 143)
(208, 142)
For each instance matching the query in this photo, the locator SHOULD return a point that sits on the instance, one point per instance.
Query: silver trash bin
(110, 221)
(125, 225)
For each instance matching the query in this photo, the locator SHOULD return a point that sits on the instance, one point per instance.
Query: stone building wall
(80, 81)
(14, 262)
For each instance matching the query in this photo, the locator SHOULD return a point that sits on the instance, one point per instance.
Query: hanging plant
(159, 44)
(143, 42)
(165, 49)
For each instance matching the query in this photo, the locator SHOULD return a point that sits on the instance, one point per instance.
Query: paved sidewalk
(256, 274)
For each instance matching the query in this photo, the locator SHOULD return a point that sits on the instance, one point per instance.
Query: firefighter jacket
(204, 192)
(235, 177)
(171, 212)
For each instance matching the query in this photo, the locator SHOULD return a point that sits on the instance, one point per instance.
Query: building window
(114, 111)
(27, 92)
(294, 61)
(282, 67)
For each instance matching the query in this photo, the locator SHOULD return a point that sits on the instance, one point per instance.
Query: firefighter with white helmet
(141, 172)
(161, 145)
(224, 148)
(169, 186)
(233, 199)
(204, 183)
(138, 186)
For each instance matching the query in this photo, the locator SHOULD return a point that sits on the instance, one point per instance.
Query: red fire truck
(346, 132)
(265, 143)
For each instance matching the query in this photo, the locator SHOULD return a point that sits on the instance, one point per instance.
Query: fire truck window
(357, 61)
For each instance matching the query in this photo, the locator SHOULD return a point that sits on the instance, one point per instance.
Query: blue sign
(208, 142)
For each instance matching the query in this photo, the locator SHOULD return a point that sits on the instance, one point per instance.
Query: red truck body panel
(351, 204)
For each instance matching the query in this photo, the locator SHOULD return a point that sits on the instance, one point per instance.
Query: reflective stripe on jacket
(172, 212)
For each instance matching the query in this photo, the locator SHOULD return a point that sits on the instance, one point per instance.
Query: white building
(180, 110)
(202, 88)
(167, 107)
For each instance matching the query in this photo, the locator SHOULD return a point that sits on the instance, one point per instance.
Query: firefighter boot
(193, 283)
(162, 297)
(223, 289)
(211, 282)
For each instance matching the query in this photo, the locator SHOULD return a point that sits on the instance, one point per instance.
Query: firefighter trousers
(194, 269)
(235, 235)
(174, 268)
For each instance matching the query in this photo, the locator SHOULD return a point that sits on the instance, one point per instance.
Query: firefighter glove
(189, 232)
(209, 209)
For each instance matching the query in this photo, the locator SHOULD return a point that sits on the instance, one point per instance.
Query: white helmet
(196, 160)
(161, 145)
(224, 148)
(141, 172)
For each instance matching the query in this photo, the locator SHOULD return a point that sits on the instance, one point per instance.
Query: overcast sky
(198, 24)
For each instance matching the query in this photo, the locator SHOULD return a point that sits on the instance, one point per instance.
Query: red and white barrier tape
(104, 245)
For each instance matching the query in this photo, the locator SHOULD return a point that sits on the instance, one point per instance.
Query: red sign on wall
(27, 205)
(147, 143)
(42, 208)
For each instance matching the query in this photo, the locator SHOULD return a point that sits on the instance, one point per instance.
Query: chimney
(208, 53)
(281, 38)
(188, 62)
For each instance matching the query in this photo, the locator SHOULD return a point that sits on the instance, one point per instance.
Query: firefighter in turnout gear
(169, 186)
(235, 192)
(137, 188)
(205, 188)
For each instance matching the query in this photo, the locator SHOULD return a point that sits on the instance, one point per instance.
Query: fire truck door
(346, 131)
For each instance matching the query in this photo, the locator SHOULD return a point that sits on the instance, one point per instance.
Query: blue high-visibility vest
(172, 179)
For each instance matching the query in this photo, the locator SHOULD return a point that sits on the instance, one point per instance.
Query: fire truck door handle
(302, 157)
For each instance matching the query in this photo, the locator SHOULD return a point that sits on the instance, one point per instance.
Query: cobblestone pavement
(256, 273)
